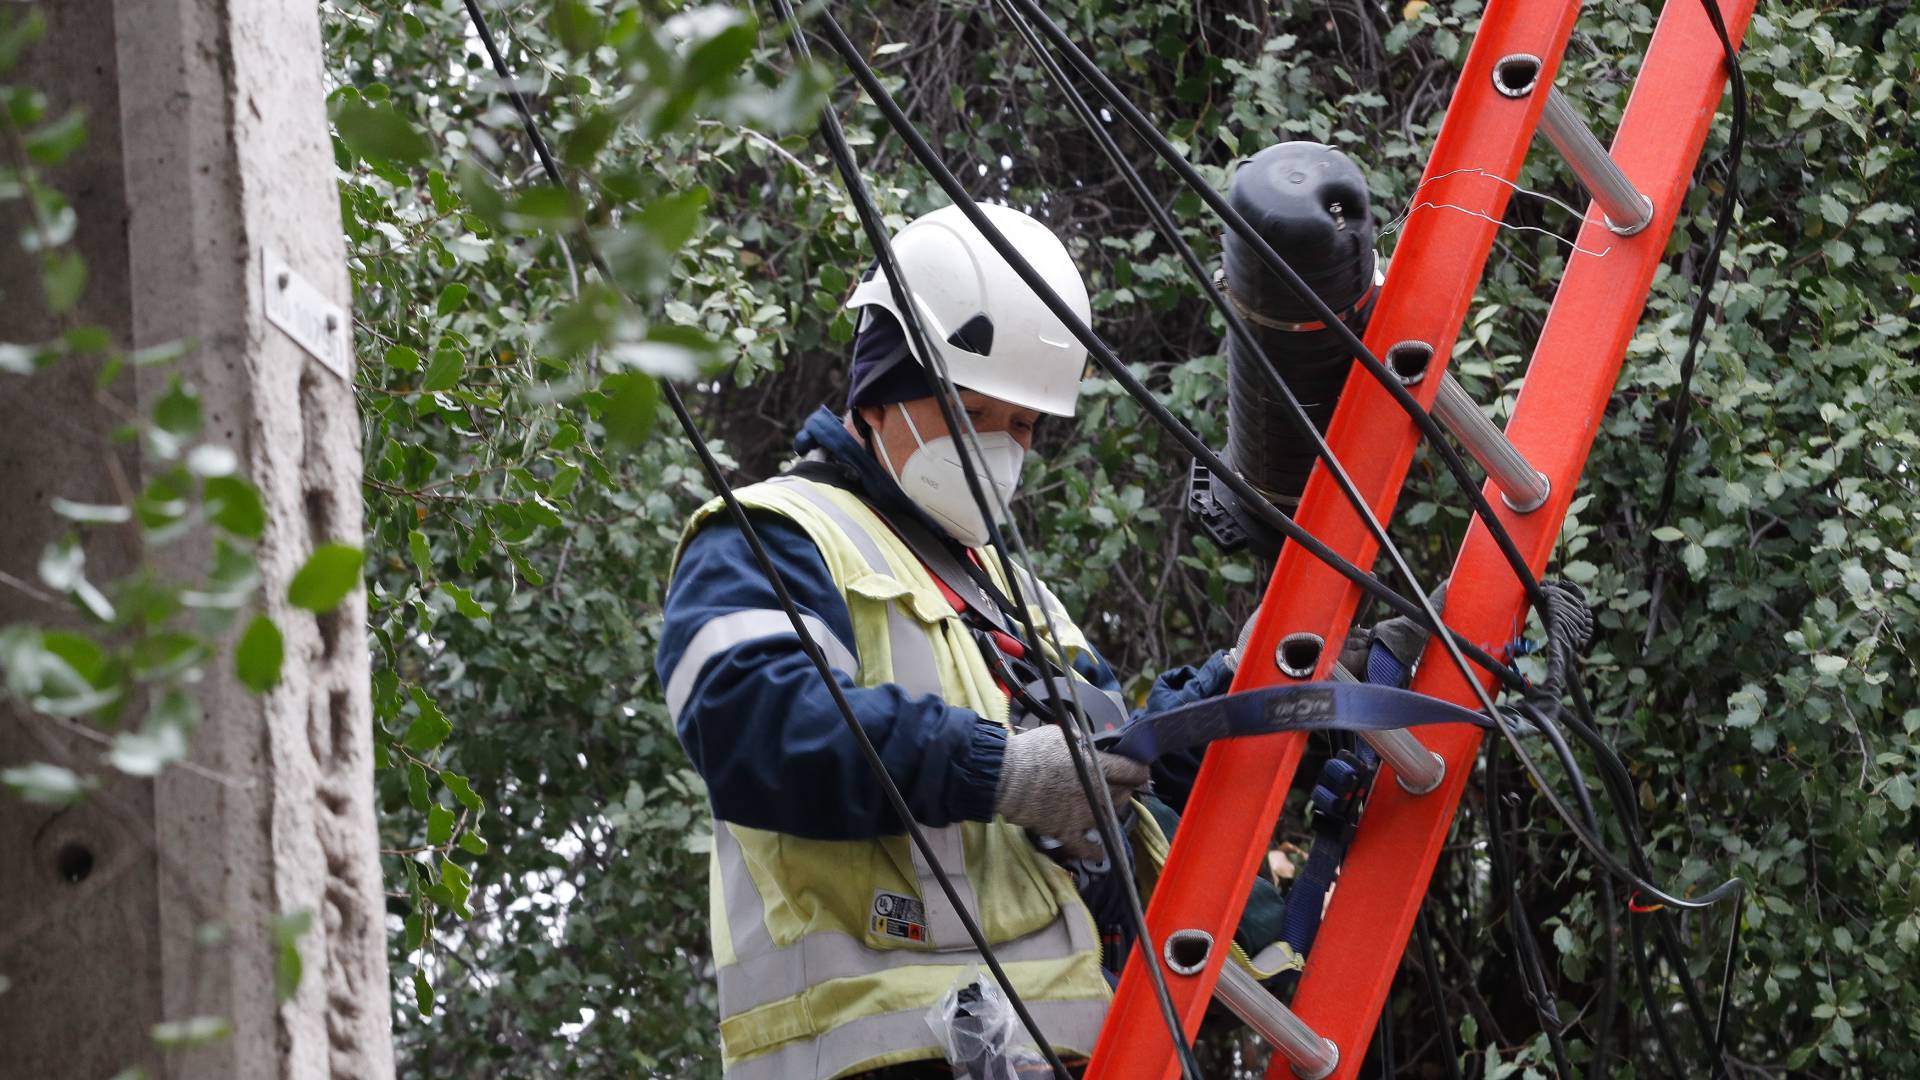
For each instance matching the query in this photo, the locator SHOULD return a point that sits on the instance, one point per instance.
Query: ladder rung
(1311, 1056)
(1417, 769)
(1628, 211)
(1523, 487)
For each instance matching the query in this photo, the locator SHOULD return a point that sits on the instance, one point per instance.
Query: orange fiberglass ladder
(1504, 94)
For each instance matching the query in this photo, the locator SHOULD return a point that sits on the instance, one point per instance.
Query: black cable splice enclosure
(1310, 202)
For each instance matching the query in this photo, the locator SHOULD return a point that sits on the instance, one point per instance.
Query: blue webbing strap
(1316, 706)
(1371, 706)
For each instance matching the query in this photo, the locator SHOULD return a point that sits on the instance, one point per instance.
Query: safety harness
(1031, 680)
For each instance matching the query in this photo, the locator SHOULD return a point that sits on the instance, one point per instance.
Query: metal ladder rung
(1627, 210)
(1416, 769)
(1523, 487)
(1312, 1056)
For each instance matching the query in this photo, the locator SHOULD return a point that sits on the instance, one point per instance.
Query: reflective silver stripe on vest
(1069, 1025)
(737, 628)
(914, 669)
(763, 973)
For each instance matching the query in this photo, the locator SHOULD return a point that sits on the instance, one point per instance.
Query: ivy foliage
(546, 842)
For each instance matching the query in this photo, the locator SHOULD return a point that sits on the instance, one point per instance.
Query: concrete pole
(207, 162)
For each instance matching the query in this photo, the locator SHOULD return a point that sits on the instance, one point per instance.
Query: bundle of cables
(1523, 718)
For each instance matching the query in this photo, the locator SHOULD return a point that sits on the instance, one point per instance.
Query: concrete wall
(207, 147)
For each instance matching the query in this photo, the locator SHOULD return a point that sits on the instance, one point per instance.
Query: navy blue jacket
(761, 727)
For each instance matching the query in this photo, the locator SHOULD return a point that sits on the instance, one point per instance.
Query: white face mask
(935, 480)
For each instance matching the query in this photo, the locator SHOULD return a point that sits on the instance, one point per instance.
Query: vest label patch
(898, 916)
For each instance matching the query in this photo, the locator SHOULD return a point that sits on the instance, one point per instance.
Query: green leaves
(420, 552)
(430, 728)
(177, 412)
(191, 1032)
(543, 207)
(234, 506)
(632, 405)
(445, 371)
(463, 601)
(63, 277)
(146, 752)
(450, 299)
(288, 967)
(377, 133)
(257, 658)
(670, 221)
(51, 143)
(63, 569)
(669, 352)
(328, 576)
(576, 26)
(439, 825)
(46, 784)
(1899, 792)
(462, 791)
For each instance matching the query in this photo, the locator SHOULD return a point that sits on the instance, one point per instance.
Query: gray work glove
(1403, 637)
(1040, 790)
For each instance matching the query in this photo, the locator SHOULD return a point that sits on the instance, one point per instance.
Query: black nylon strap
(954, 570)
(1039, 679)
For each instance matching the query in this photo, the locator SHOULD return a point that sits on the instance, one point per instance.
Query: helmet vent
(975, 335)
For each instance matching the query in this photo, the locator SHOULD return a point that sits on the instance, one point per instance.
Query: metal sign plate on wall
(315, 323)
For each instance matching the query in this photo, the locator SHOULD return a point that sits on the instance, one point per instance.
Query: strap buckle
(1336, 798)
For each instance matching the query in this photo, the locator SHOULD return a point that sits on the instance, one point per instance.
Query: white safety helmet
(998, 338)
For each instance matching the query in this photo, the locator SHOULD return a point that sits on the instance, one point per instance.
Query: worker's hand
(1405, 638)
(1040, 790)
(1186, 685)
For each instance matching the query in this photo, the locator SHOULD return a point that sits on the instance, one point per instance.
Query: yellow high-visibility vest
(831, 952)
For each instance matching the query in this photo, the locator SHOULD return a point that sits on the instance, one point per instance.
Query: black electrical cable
(1145, 129)
(1506, 883)
(717, 477)
(1281, 267)
(1643, 972)
(1078, 738)
(1109, 361)
(1709, 273)
(1391, 599)
(1236, 324)
(1383, 1041)
(1681, 411)
(1098, 348)
(1620, 787)
(1430, 967)
(1676, 446)
(1170, 233)
(1103, 353)
(1529, 952)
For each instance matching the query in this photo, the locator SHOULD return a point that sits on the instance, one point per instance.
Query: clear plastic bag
(977, 1029)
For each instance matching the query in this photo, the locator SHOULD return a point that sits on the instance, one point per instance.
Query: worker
(832, 937)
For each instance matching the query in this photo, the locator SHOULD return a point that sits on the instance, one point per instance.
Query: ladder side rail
(1228, 824)
(1575, 366)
